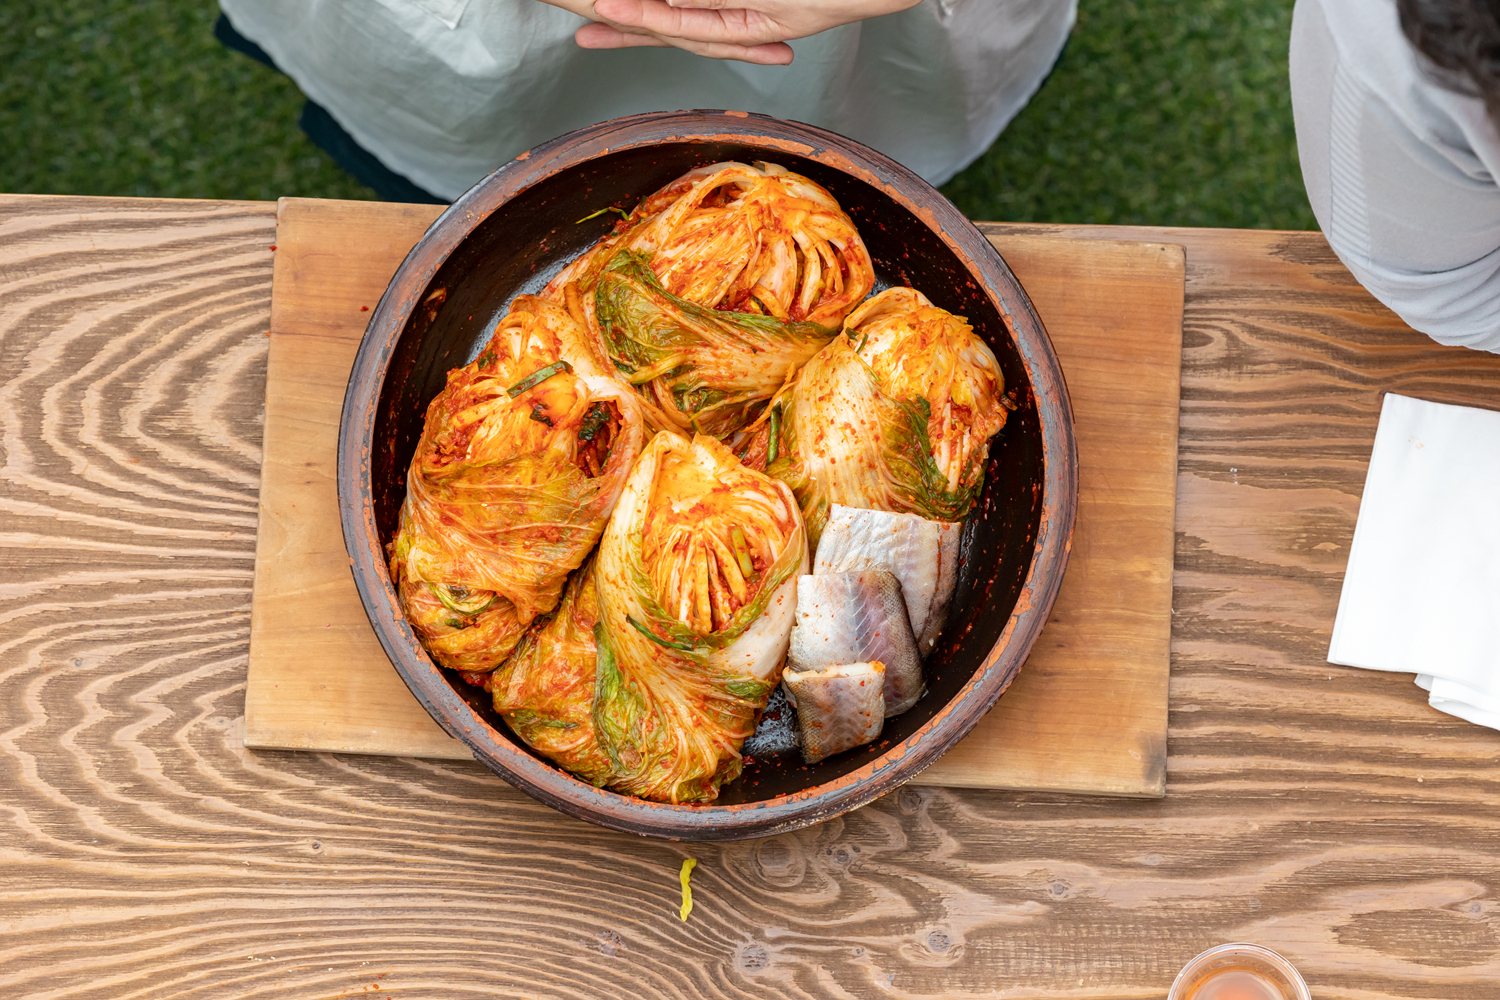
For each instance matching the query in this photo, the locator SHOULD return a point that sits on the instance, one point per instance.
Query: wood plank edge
(255, 742)
(1129, 233)
(1159, 763)
(1143, 790)
(994, 231)
(92, 200)
(262, 560)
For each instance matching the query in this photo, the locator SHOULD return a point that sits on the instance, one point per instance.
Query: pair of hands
(753, 31)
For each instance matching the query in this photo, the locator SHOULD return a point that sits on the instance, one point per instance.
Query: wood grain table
(144, 853)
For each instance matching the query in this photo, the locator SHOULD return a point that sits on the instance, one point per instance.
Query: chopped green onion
(593, 422)
(741, 551)
(539, 376)
(643, 630)
(460, 599)
(608, 208)
(773, 446)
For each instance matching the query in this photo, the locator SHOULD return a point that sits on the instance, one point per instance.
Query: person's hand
(749, 30)
(616, 35)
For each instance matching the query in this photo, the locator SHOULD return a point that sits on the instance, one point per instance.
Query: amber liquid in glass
(1236, 984)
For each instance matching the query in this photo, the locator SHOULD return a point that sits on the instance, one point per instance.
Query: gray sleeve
(1404, 202)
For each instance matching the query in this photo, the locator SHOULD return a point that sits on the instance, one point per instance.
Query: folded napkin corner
(1421, 593)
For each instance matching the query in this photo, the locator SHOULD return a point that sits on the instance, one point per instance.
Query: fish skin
(950, 535)
(922, 554)
(856, 618)
(839, 707)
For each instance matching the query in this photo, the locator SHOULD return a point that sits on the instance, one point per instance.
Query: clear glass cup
(1239, 972)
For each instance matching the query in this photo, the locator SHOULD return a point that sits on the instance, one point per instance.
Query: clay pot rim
(553, 786)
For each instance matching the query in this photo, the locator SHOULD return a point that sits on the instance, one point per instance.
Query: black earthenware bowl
(512, 232)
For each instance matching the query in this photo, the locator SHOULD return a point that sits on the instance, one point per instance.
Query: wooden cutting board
(1088, 712)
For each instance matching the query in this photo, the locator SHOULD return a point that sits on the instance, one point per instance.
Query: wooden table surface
(144, 853)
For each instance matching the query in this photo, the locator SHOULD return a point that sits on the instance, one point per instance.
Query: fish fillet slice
(858, 618)
(949, 536)
(839, 707)
(922, 554)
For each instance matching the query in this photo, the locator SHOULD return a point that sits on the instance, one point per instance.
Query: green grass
(1161, 112)
(123, 97)
(1165, 112)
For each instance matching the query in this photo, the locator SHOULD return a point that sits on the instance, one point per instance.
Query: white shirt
(445, 91)
(1401, 172)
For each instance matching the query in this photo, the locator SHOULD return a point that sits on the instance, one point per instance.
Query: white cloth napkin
(1422, 592)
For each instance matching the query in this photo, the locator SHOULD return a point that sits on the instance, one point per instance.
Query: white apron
(445, 91)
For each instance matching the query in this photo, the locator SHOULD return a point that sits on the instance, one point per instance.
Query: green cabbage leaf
(704, 368)
(895, 414)
(696, 583)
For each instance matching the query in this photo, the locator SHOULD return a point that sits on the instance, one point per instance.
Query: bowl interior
(519, 247)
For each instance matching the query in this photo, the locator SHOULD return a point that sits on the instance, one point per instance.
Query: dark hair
(1461, 40)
